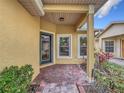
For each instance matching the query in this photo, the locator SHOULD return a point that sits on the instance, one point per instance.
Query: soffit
(97, 3)
(69, 18)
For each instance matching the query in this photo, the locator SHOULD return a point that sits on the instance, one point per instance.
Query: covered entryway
(65, 18)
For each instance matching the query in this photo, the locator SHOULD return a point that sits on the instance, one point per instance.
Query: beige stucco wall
(63, 29)
(116, 33)
(113, 31)
(96, 44)
(47, 26)
(19, 36)
(69, 29)
(117, 45)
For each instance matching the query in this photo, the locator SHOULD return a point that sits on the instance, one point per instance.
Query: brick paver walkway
(61, 79)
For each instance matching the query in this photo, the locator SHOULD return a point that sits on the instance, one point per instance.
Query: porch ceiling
(71, 11)
(69, 18)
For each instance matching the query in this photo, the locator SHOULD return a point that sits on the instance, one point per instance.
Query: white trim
(114, 45)
(35, 4)
(91, 9)
(121, 48)
(54, 40)
(47, 31)
(80, 35)
(70, 44)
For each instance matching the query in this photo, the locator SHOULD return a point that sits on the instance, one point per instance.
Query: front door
(46, 48)
(123, 48)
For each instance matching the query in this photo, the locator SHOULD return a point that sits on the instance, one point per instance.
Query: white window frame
(70, 45)
(109, 41)
(80, 35)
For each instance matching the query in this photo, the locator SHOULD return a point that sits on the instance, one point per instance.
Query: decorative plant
(111, 77)
(15, 79)
(103, 57)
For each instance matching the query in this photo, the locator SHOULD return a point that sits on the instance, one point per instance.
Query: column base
(91, 80)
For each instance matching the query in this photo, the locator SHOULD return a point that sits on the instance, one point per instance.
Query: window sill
(80, 57)
(62, 57)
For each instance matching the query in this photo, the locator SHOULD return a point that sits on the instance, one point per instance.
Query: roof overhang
(34, 7)
(72, 8)
(39, 7)
(109, 26)
(113, 37)
(66, 8)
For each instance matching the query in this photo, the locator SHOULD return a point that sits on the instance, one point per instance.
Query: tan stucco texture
(19, 36)
(64, 29)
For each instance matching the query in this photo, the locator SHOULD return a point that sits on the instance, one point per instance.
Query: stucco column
(90, 42)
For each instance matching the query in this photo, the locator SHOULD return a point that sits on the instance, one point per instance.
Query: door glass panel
(46, 48)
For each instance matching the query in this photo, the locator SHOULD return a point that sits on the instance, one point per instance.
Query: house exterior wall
(110, 39)
(115, 32)
(19, 36)
(63, 29)
(47, 26)
(97, 44)
(69, 29)
(117, 45)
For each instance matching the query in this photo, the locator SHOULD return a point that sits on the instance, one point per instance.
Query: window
(82, 46)
(46, 47)
(109, 46)
(64, 46)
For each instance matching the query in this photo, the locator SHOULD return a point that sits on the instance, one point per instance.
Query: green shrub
(15, 79)
(111, 76)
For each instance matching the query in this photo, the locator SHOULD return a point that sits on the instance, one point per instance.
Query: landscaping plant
(110, 77)
(15, 79)
(103, 56)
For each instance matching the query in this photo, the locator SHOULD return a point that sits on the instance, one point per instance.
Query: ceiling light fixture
(61, 19)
